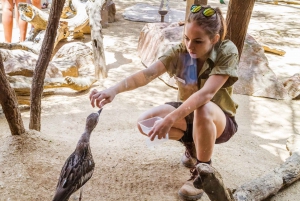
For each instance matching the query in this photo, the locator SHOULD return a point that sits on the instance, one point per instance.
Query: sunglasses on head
(207, 11)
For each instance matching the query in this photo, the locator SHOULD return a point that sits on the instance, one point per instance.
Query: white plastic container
(146, 126)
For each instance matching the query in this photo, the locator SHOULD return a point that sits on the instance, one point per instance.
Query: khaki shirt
(223, 60)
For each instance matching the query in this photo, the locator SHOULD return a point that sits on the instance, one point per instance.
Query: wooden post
(238, 18)
(94, 12)
(200, 2)
(42, 63)
(189, 3)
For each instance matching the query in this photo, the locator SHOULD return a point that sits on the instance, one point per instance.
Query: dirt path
(125, 168)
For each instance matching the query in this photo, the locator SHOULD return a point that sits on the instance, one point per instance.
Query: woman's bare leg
(36, 3)
(7, 19)
(22, 24)
(209, 123)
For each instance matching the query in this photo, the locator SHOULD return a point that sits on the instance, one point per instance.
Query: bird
(79, 166)
(223, 2)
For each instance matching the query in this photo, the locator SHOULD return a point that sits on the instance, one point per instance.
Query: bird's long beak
(100, 111)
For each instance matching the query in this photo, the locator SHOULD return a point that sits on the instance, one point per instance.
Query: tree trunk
(94, 9)
(189, 3)
(271, 183)
(238, 17)
(9, 104)
(42, 63)
(200, 2)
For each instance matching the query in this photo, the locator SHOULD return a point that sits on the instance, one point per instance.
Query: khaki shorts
(231, 127)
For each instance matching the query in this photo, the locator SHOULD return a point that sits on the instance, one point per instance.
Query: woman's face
(197, 42)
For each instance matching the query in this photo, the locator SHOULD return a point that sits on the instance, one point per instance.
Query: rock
(293, 144)
(292, 85)
(72, 67)
(256, 78)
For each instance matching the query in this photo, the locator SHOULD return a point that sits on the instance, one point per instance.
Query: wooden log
(35, 40)
(276, 2)
(68, 10)
(258, 189)
(75, 83)
(210, 180)
(16, 46)
(269, 184)
(22, 85)
(33, 15)
(81, 19)
(62, 32)
(273, 50)
(39, 18)
(93, 8)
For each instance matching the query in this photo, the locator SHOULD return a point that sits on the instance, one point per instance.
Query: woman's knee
(209, 114)
(7, 6)
(159, 111)
(203, 113)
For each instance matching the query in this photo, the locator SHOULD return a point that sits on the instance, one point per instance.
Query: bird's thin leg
(80, 195)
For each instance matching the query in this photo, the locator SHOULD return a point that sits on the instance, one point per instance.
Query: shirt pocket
(186, 90)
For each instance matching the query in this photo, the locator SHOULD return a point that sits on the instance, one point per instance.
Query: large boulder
(71, 67)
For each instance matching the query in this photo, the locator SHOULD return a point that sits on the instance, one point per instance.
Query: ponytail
(223, 28)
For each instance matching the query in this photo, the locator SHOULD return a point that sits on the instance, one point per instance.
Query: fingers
(92, 97)
(101, 98)
(104, 102)
(96, 98)
(152, 134)
(93, 92)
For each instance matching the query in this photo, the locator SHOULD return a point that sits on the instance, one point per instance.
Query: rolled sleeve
(227, 65)
(170, 59)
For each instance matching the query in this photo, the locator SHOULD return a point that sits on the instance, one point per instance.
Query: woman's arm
(204, 95)
(141, 78)
(201, 97)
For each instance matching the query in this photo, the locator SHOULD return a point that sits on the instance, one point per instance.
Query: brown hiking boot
(189, 157)
(188, 191)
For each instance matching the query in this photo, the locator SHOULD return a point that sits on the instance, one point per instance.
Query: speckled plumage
(79, 167)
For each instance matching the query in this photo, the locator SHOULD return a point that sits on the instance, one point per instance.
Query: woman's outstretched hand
(101, 98)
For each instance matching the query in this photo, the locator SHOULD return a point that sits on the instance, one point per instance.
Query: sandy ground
(125, 168)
